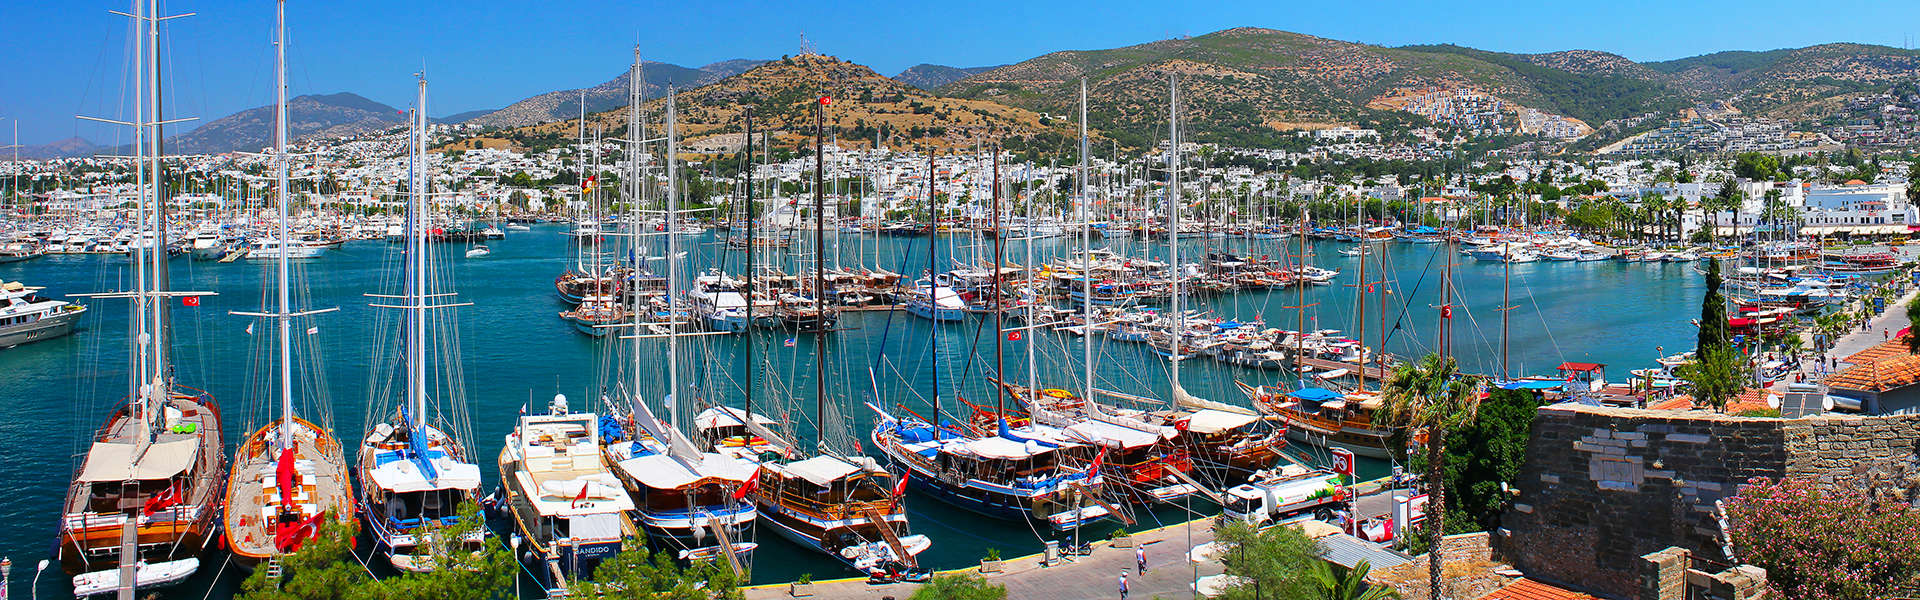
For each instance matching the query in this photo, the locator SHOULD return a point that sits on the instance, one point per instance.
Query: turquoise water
(515, 350)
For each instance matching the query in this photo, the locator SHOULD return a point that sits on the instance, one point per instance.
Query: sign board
(1416, 510)
(1343, 462)
(1879, 303)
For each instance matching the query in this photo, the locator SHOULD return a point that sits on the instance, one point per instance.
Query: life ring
(1058, 393)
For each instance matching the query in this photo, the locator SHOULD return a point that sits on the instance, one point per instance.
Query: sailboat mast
(280, 182)
(933, 287)
(417, 255)
(636, 132)
(1086, 255)
(999, 302)
(819, 277)
(1033, 295)
(1173, 222)
(1360, 318)
(747, 156)
(158, 252)
(141, 363)
(673, 262)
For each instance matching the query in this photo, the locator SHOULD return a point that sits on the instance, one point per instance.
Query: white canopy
(661, 472)
(557, 497)
(1214, 421)
(726, 416)
(997, 447)
(821, 470)
(1108, 434)
(114, 461)
(404, 476)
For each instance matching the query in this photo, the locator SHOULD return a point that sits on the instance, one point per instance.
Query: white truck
(1271, 495)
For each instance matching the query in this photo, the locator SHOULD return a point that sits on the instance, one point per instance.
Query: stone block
(1687, 438)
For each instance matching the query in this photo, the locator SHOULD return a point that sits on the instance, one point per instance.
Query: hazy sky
(67, 57)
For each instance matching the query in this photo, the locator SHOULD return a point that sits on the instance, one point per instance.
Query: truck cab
(1272, 495)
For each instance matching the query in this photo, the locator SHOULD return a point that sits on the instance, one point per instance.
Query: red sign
(1416, 510)
(1013, 336)
(1343, 461)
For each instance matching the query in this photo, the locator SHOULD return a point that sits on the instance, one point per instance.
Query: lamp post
(6, 576)
(35, 591)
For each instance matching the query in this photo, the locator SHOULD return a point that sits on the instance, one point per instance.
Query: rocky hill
(310, 116)
(930, 77)
(72, 146)
(565, 104)
(862, 104)
(1249, 85)
(1775, 82)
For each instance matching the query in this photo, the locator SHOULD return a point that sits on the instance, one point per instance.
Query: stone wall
(1603, 487)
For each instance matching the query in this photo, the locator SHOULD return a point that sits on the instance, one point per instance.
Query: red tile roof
(1528, 589)
(1884, 350)
(1879, 375)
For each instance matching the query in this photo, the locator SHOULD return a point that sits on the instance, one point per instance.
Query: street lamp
(35, 591)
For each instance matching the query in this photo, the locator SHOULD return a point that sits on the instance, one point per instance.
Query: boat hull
(43, 329)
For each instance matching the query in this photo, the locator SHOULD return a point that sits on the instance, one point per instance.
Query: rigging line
(1543, 320)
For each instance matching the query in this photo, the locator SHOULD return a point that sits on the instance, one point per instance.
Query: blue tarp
(1532, 384)
(611, 430)
(1316, 394)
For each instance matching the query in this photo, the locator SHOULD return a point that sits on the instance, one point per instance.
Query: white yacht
(26, 316)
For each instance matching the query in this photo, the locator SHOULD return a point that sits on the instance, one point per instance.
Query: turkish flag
(1446, 311)
(825, 100)
(746, 489)
(1013, 336)
(190, 301)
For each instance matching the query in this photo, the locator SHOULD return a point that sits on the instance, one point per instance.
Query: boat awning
(997, 447)
(1533, 384)
(662, 472)
(404, 476)
(1108, 434)
(725, 416)
(1214, 421)
(1579, 367)
(821, 470)
(114, 461)
(1315, 394)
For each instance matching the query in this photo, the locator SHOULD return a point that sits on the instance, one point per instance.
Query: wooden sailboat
(691, 503)
(848, 507)
(288, 475)
(1022, 474)
(413, 467)
(142, 507)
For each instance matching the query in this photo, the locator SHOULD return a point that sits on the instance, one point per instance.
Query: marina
(545, 357)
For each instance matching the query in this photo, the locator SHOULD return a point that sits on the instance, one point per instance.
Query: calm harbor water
(516, 352)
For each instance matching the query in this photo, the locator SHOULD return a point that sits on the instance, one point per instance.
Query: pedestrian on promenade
(1140, 557)
(1123, 584)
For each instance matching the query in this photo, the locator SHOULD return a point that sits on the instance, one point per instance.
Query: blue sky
(68, 57)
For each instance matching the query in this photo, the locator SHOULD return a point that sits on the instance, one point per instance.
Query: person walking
(1140, 558)
(1123, 584)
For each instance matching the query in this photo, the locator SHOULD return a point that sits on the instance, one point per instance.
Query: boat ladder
(1189, 480)
(273, 567)
(726, 546)
(893, 539)
(1102, 502)
(129, 556)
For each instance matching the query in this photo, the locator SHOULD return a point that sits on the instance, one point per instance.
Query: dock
(1373, 372)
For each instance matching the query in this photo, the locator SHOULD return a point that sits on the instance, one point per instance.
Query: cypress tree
(1713, 313)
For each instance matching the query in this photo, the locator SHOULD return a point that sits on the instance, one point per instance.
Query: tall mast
(933, 287)
(1027, 271)
(747, 156)
(673, 262)
(280, 183)
(637, 136)
(1173, 221)
(417, 255)
(158, 253)
(1360, 318)
(999, 306)
(819, 277)
(143, 365)
(1086, 255)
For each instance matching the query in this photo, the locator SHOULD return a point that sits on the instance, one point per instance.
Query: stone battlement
(1602, 487)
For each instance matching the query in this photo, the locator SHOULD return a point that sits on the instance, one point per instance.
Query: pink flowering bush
(1821, 544)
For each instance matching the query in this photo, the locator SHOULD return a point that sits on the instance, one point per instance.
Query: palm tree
(1340, 583)
(1433, 395)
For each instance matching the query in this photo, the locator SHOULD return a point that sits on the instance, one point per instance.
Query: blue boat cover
(1532, 384)
(1316, 394)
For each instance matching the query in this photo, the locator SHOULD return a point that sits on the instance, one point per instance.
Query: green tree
(1913, 324)
(1713, 312)
(1340, 583)
(1433, 395)
(1716, 376)
(1482, 455)
(323, 569)
(1271, 564)
(963, 586)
